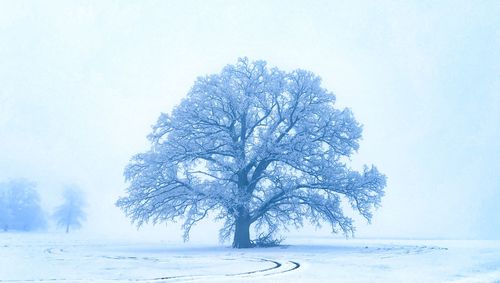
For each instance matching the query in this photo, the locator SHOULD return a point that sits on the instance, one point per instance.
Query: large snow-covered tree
(256, 147)
(70, 213)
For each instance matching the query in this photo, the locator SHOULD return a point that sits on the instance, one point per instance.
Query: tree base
(243, 245)
(242, 233)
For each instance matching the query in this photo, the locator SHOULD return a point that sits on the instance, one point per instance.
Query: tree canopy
(258, 147)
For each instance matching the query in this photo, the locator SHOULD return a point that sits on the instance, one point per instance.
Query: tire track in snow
(274, 270)
(277, 268)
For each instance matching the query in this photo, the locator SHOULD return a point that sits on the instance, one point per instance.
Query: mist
(82, 83)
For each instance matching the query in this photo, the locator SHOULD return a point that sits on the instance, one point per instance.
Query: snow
(47, 257)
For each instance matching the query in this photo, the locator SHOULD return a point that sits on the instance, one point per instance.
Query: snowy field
(70, 258)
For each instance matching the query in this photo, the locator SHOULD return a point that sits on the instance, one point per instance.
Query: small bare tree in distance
(70, 214)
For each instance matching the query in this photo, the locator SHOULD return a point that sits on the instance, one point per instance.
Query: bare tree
(257, 146)
(70, 213)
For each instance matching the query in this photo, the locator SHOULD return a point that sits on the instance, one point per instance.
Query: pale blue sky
(81, 83)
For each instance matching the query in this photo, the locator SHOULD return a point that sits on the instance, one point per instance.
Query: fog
(81, 83)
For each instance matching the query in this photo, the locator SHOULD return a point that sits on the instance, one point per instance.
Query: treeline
(20, 207)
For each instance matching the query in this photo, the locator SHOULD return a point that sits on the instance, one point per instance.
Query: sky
(81, 83)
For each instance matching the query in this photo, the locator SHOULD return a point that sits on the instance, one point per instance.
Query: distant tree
(4, 211)
(70, 213)
(257, 146)
(20, 206)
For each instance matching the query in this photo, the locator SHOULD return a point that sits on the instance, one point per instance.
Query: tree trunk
(242, 232)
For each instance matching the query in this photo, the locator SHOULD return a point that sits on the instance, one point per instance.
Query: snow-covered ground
(69, 258)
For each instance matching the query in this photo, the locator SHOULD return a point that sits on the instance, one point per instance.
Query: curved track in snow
(275, 268)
